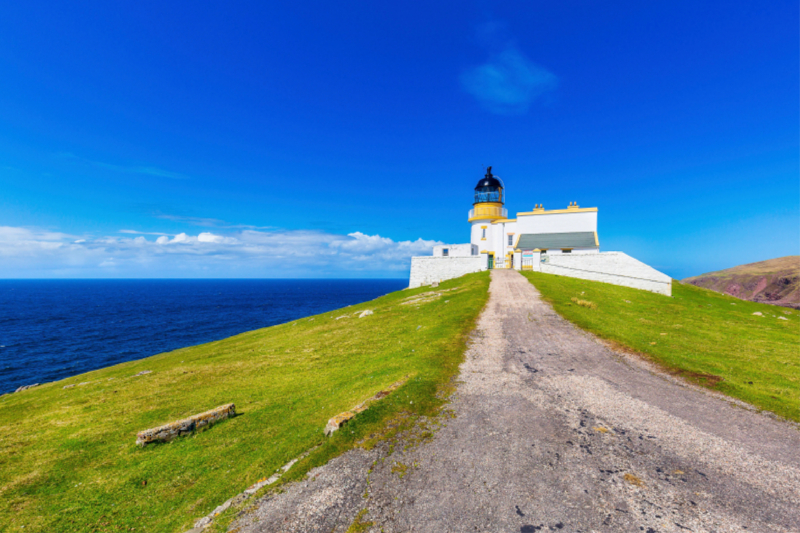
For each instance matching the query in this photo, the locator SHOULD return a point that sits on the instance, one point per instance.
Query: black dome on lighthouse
(490, 183)
(489, 189)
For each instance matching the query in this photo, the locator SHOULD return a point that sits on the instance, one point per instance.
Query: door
(491, 261)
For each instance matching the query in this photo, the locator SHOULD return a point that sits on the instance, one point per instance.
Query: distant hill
(776, 281)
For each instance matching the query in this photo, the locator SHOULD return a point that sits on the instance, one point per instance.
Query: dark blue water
(52, 329)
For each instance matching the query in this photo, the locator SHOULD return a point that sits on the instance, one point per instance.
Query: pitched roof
(545, 241)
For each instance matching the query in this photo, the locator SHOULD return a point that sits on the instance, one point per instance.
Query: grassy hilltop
(68, 460)
(67, 456)
(712, 339)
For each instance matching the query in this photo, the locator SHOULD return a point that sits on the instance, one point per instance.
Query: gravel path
(555, 432)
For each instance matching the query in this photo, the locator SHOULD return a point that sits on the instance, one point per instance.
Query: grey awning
(546, 241)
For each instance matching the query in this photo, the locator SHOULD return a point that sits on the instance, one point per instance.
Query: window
(445, 252)
(510, 240)
(483, 233)
(566, 250)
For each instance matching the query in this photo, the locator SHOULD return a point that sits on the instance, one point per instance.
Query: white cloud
(508, 83)
(31, 252)
(197, 221)
(16, 234)
(134, 232)
(209, 222)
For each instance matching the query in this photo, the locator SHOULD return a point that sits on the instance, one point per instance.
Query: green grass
(704, 336)
(68, 461)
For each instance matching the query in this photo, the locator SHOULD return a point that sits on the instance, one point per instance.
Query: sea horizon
(53, 328)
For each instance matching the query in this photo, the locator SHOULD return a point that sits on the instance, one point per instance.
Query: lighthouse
(487, 209)
(554, 241)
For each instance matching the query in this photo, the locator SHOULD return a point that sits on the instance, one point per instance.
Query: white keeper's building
(559, 241)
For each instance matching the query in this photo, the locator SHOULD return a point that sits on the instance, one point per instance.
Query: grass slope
(709, 338)
(67, 456)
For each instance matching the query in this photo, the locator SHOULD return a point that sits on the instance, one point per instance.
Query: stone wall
(426, 270)
(179, 428)
(616, 268)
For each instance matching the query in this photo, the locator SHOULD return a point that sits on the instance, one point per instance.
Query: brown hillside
(776, 281)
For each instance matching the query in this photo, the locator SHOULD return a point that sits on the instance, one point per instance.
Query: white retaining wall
(427, 269)
(616, 268)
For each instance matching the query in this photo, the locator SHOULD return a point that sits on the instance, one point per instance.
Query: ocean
(52, 329)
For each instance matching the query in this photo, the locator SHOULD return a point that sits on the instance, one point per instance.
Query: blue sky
(337, 139)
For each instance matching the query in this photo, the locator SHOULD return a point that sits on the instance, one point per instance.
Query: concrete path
(555, 432)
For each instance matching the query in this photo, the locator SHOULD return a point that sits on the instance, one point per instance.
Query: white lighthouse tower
(487, 208)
